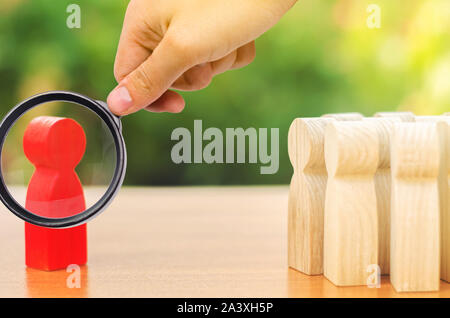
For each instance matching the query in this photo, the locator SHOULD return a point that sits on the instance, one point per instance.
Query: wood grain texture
(429, 119)
(403, 116)
(307, 194)
(351, 222)
(345, 116)
(415, 224)
(384, 127)
(442, 121)
(208, 242)
(444, 197)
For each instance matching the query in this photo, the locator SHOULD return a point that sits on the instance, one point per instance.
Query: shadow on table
(302, 285)
(317, 286)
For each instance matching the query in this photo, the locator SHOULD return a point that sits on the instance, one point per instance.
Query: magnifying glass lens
(58, 159)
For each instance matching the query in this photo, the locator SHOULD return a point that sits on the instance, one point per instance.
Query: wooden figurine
(307, 195)
(429, 119)
(415, 224)
(404, 116)
(345, 116)
(55, 146)
(384, 126)
(351, 221)
(444, 197)
(443, 191)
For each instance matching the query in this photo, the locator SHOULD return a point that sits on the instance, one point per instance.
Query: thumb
(150, 80)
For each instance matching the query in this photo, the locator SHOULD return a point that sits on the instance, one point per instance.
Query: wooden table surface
(181, 242)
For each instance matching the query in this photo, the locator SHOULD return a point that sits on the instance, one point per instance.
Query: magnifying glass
(63, 159)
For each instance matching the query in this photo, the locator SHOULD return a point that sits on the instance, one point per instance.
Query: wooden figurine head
(54, 142)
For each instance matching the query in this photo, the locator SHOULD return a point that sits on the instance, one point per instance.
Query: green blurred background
(321, 58)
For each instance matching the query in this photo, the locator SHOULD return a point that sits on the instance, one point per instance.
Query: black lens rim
(112, 122)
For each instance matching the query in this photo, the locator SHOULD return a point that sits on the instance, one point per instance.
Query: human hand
(183, 44)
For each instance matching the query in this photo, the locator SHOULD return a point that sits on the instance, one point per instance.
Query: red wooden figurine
(55, 146)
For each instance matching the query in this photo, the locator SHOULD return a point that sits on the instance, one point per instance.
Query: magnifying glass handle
(115, 118)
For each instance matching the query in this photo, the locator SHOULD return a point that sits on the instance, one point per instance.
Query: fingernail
(119, 100)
